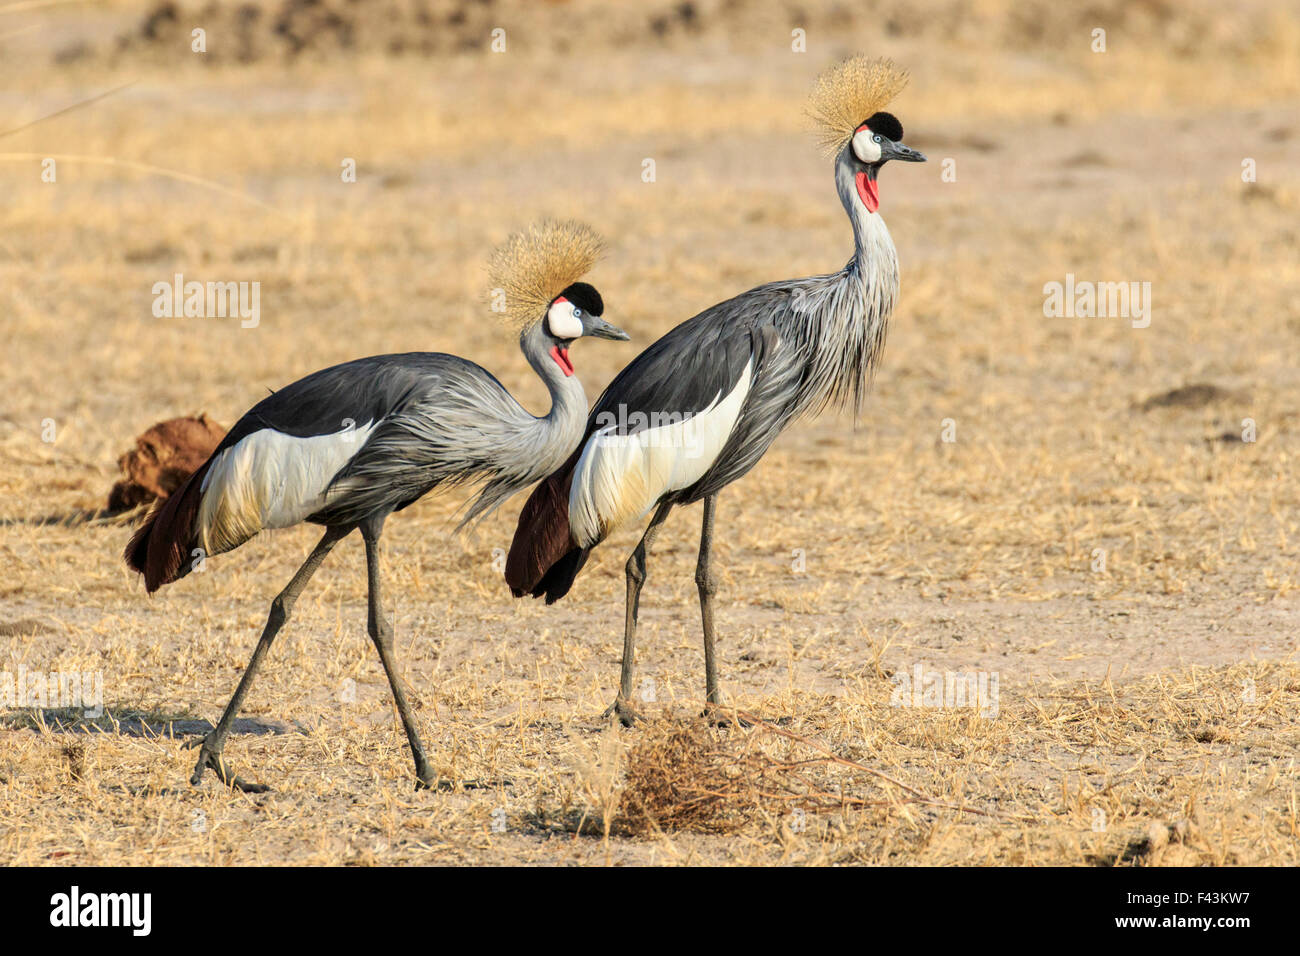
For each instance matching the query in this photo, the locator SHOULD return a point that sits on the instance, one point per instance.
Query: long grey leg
(281, 607)
(636, 572)
(381, 633)
(708, 586)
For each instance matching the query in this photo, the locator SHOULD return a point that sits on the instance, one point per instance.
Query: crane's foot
(720, 716)
(426, 778)
(210, 759)
(626, 714)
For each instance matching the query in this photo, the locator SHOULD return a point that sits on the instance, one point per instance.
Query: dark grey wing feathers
(324, 402)
(449, 429)
(686, 371)
(404, 454)
(765, 413)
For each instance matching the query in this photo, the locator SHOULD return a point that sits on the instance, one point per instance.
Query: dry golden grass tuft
(684, 776)
(713, 775)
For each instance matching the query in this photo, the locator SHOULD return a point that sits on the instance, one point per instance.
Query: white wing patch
(619, 478)
(270, 480)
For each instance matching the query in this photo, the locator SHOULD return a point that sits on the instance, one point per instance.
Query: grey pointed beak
(902, 153)
(598, 327)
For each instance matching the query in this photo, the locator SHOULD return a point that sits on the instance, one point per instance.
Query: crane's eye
(577, 312)
(876, 137)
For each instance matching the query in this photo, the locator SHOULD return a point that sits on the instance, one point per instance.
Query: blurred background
(1107, 141)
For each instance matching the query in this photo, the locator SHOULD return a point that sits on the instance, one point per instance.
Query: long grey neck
(558, 432)
(841, 329)
(874, 266)
(516, 448)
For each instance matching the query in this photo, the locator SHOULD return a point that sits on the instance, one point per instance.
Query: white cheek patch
(563, 323)
(864, 147)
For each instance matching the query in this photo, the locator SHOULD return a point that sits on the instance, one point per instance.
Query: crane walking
(697, 409)
(347, 446)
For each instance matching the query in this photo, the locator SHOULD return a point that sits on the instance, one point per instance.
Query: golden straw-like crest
(536, 264)
(846, 94)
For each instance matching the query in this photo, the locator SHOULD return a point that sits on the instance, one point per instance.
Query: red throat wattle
(561, 357)
(868, 191)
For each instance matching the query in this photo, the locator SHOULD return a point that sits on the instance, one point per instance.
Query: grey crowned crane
(347, 446)
(697, 409)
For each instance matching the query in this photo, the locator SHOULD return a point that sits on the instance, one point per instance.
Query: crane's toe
(210, 759)
(627, 715)
(435, 783)
(719, 716)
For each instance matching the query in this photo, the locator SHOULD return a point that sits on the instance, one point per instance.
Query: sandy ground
(1113, 554)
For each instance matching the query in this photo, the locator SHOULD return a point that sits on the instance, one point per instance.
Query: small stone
(1157, 836)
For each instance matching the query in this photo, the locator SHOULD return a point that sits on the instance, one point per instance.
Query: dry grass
(846, 556)
(1174, 769)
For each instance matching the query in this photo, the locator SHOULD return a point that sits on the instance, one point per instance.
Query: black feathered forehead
(585, 297)
(886, 124)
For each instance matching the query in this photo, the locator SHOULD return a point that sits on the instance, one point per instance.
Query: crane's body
(366, 437)
(347, 446)
(697, 409)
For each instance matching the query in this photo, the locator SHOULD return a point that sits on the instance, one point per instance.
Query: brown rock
(163, 457)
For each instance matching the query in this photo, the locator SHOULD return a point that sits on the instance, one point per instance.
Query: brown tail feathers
(161, 548)
(544, 559)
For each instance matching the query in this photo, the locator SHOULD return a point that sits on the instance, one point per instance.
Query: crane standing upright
(697, 409)
(348, 445)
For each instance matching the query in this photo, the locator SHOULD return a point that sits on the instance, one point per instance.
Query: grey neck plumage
(514, 449)
(560, 430)
(840, 325)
